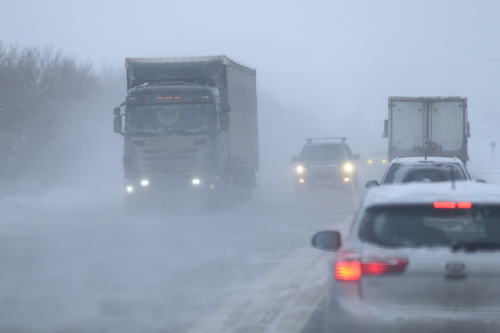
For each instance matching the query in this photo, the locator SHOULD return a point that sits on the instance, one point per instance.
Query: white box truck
(427, 126)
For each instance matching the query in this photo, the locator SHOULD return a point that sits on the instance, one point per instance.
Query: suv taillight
(351, 266)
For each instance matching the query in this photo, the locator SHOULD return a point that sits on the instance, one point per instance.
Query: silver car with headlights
(418, 258)
(325, 164)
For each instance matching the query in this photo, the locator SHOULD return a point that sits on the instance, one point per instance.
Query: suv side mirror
(294, 159)
(117, 124)
(116, 111)
(226, 108)
(372, 183)
(481, 181)
(326, 240)
(356, 157)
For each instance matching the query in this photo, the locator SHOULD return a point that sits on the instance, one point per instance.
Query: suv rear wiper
(474, 246)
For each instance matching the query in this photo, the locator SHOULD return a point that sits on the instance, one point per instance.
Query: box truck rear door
(447, 121)
(407, 127)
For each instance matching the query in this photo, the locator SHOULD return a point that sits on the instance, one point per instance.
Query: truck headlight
(299, 169)
(144, 182)
(348, 167)
(130, 189)
(196, 181)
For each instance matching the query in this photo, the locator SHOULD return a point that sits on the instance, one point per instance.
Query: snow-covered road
(71, 262)
(75, 262)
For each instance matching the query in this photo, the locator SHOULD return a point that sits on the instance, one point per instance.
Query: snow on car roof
(415, 193)
(435, 159)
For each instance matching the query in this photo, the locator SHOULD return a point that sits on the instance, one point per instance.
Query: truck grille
(170, 160)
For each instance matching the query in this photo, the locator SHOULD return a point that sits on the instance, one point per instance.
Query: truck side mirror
(226, 108)
(224, 121)
(386, 129)
(294, 159)
(116, 111)
(117, 124)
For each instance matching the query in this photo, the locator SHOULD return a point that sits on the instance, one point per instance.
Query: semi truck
(190, 130)
(427, 126)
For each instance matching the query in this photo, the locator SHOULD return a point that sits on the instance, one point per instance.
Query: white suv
(419, 258)
(423, 169)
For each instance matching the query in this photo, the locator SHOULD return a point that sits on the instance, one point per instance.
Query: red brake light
(464, 205)
(351, 268)
(388, 265)
(445, 204)
(348, 271)
(374, 268)
(452, 205)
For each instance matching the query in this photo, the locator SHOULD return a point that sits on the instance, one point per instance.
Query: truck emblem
(455, 268)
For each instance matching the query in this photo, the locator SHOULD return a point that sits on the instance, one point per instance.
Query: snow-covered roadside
(74, 261)
(488, 172)
(283, 299)
(65, 200)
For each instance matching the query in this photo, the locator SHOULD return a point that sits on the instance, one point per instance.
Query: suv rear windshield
(424, 225)
(405, 173)
(324, 152)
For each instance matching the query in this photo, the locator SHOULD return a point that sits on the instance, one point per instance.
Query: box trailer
(427, 126)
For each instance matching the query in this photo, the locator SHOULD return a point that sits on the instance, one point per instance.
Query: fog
(328, 67)
(324, 68)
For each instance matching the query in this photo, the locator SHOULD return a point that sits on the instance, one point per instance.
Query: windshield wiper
(474, 246)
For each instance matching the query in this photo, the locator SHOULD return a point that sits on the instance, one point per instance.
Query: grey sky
(336, 61)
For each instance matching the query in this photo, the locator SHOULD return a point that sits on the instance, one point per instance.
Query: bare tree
(41, 92)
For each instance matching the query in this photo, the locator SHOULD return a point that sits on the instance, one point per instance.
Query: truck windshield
(476, 227)
(323, 152)
(405, 173)
(169, 119)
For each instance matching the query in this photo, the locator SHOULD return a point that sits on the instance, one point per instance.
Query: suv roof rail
(310, 140)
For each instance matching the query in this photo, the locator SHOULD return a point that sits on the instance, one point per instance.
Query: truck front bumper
(173, 187)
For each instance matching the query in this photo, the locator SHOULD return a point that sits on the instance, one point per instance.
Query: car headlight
(299, 169)
(144, 182)
(196, 181)
(130, 189)
(348, 167)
